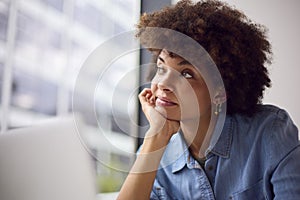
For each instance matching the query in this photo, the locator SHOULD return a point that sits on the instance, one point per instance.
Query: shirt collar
(222, 147)
(184, 157)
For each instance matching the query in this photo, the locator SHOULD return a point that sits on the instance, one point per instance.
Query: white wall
(282, 20)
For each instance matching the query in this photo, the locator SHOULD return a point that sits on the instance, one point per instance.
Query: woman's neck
(197, 134)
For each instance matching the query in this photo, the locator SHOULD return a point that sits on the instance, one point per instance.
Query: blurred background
(44, 44)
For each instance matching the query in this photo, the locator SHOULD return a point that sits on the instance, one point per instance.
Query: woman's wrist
(154, 141)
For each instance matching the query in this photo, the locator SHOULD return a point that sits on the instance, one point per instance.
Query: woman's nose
(164, 87)
(166, 83)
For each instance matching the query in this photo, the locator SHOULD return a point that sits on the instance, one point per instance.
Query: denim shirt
(254, 158)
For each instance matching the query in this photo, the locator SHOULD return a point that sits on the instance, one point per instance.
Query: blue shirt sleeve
(286, 176)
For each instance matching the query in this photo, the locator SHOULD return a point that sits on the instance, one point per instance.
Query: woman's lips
(164, 102)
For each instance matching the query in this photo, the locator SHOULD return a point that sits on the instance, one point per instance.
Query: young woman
(257, 153)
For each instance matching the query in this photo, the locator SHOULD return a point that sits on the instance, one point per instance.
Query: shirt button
(210, 168)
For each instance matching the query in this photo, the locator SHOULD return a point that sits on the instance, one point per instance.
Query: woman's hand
(139, 182)
(161, 128)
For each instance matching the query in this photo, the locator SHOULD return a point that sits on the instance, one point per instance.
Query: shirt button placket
(210, 169)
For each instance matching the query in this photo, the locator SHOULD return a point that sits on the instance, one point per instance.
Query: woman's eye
(160, 70)
(187, 74)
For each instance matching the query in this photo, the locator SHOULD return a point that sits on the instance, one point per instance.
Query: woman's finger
(145, 95)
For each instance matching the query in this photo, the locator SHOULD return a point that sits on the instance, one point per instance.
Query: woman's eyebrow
(184, 62)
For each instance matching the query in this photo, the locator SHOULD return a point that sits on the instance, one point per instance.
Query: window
(3, 20)
(52, 40)
(56, 4)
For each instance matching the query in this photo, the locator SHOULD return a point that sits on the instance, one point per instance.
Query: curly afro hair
(238, 46)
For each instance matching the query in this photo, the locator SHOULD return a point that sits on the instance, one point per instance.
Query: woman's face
(180, 91)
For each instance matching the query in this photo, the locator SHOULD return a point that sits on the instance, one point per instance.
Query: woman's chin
(166, 114)
(161, 111)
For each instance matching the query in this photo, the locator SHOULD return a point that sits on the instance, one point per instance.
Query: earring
(218, 108)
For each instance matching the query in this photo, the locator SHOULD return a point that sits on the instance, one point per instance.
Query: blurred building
(43, 46)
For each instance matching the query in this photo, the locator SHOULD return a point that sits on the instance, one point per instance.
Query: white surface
(282, 20)
(45, 162)
(107, 196)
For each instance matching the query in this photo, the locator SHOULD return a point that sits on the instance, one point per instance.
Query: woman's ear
(219, 99)
(220, 96)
